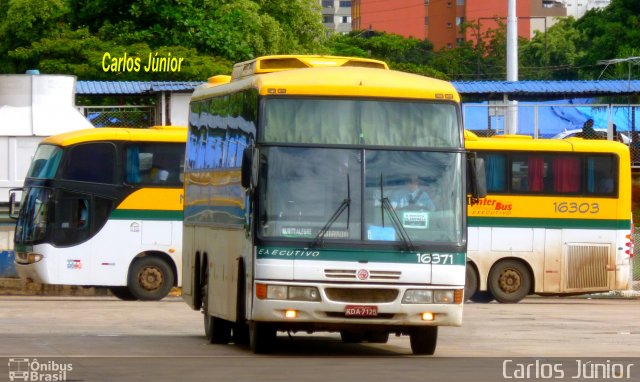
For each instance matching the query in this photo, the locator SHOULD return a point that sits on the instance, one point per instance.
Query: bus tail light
(630, 242)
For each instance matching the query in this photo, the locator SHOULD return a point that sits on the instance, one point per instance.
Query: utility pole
(512, 65)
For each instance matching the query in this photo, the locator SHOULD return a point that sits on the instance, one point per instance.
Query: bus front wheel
(509, 281)
(150, 278)
(261, 337)
(423, 340)
(217, 330)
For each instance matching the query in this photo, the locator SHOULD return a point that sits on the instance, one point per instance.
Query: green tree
(552, 55)
(209, 32)
(405, 54)
(82, 54)
(23, 21)
(608, 33)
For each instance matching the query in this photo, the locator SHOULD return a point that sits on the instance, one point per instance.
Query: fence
(557, 120)
(120, 116)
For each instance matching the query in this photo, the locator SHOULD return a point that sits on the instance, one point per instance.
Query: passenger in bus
(413, 196)
(159, 175)
(587, 130)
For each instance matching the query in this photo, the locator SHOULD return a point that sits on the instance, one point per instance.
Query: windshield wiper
(385, 204)
(345, 205)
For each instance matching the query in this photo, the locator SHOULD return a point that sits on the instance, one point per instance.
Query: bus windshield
(45, 162)
(371, 122)
(304, 187)
(32, 223)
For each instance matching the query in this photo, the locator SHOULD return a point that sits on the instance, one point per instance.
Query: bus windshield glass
(377, 122)
(45, 162)
(32, 223)
(307, 190)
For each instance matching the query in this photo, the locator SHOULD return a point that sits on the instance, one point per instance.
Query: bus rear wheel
(123, 293)
(150, 278)
(509, 281)
(470, 282)
(423, 340)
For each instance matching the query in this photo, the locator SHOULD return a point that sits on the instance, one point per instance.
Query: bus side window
(601, 171)
(72, 218)
(495, 168)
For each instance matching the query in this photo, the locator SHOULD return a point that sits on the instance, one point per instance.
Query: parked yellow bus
(556, 219)
(103, 207)
(290, 219)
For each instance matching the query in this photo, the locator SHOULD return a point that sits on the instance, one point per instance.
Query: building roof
(519, 88)
(132, 87)
(548, 88)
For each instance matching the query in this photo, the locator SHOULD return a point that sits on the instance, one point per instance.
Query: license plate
(361, 311)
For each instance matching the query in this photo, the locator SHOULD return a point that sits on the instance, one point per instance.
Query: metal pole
(512, 63)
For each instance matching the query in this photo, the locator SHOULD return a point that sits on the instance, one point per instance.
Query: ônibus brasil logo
(23, 369)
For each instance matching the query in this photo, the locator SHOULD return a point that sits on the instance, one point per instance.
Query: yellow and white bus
(291, 169)
(103, 207)
(556, 219)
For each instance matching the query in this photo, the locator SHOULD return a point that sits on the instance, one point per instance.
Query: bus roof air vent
(269, 64)
(219, 80)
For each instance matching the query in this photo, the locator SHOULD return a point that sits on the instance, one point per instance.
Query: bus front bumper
(31, 270)
(332, 315)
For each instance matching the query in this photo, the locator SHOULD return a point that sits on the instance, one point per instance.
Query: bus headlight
(33, 258)
(432, 296)
(443, 296)
(276, 292)
(286, 292)
(304, 293)
(417, 296)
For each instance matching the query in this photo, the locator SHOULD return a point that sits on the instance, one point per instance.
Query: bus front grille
(587, 266)
(351, 274)
(361, 295)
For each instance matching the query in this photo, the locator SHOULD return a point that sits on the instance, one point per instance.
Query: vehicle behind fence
(558, 120)
(120, 116)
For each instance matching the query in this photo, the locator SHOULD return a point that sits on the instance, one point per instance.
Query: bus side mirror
(14, 207)
(249, 169)
(476, 178)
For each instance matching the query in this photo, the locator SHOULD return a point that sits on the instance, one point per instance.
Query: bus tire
(351, 337)
(123, 293)
(423, 340)
(261, 337)
(482, 296)
(241, 333)
(470, 282)
(217, 330)
(509, 281)
(377, 337)
(150, 278)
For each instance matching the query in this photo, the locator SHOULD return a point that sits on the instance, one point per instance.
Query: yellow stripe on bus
(160, 199)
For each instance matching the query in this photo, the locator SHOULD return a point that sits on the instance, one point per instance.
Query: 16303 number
(574, 207)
